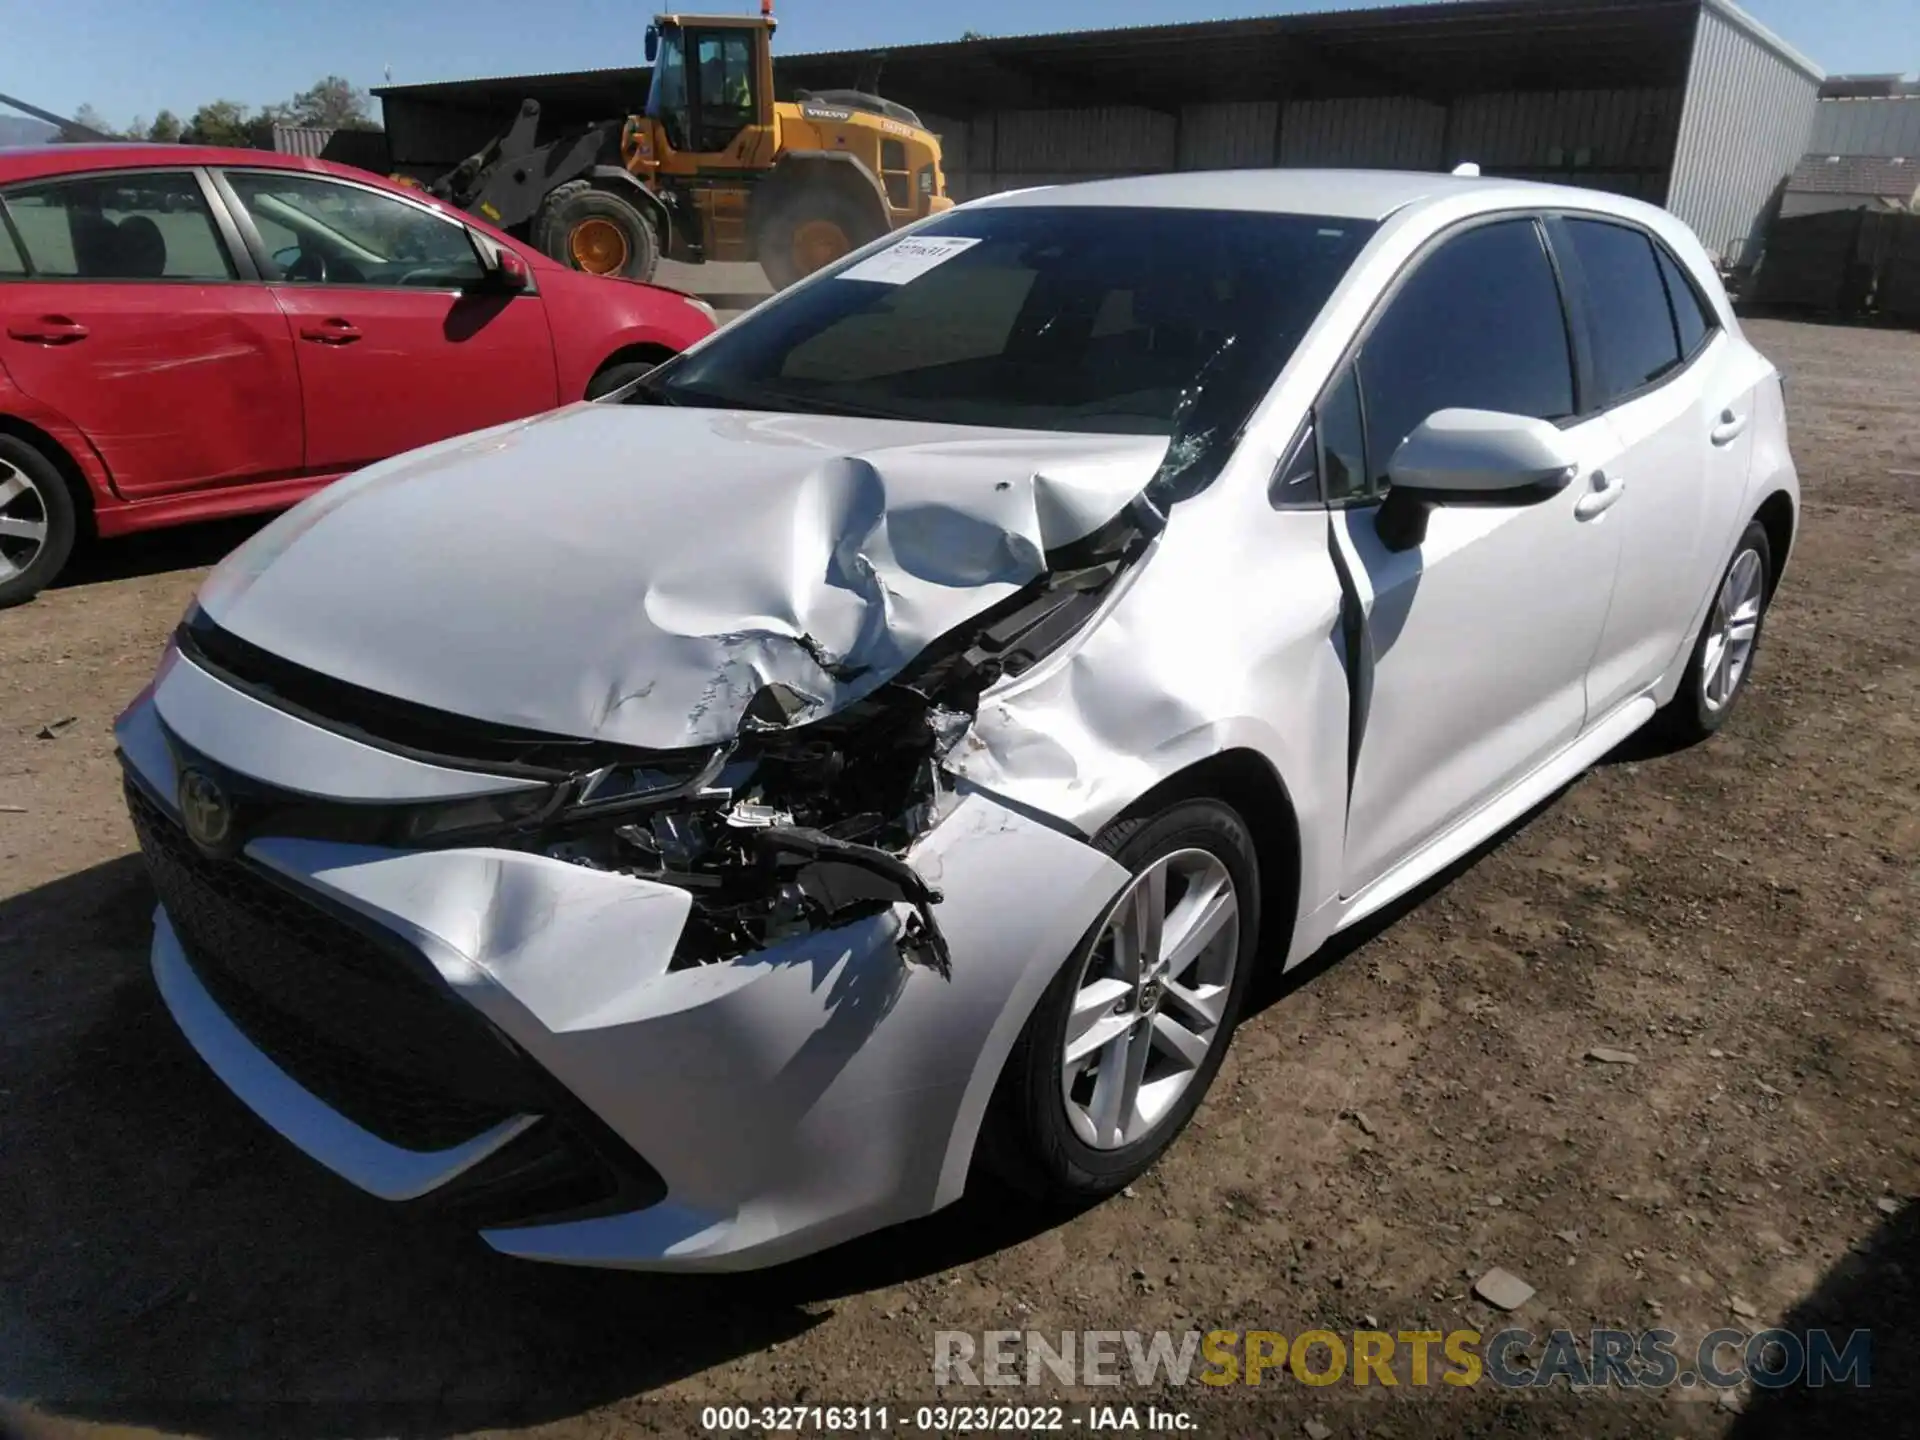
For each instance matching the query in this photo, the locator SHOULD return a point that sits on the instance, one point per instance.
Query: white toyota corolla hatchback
(688, 830)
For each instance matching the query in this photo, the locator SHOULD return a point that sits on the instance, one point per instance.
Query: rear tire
(811, 229)
(597, 231)
(1046, 1131)
(37, 521)
(1727, 645)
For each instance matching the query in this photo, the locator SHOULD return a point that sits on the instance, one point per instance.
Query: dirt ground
(1396, 1118)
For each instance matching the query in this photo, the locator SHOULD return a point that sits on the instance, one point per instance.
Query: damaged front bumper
(515, 1033)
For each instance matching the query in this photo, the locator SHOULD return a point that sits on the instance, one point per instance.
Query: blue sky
(133, 57)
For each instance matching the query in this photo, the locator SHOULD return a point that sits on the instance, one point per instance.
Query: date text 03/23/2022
(942, 1419)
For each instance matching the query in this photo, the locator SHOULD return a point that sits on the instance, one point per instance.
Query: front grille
(357, 1019)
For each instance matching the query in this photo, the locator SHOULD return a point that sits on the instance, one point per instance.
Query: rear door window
(127, 225)
(1479, 325)
(1691, 317)
(12, 263)
(1634, 340)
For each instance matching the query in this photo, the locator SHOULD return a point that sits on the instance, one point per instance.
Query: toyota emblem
(205, 810)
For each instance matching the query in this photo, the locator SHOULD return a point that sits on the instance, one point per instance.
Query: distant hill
(23, 130)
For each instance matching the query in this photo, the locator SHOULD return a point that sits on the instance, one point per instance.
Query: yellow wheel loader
(714, 169)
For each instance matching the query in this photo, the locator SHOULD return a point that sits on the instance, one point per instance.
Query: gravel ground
(1395, 1119)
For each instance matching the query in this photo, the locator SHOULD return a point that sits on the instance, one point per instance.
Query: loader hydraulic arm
(509, 178)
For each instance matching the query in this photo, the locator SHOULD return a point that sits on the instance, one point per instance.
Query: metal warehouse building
(1868, 115)
(1689, 103)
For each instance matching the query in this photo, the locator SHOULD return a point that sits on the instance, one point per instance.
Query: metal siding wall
(1618, 129)
(1747, 121)
(953, 141)
(1113, 139)
(1390, 133)
(1228, 136)
(307, 140)
(432, 135)
(1886, 127)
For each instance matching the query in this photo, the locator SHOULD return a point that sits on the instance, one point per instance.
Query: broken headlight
(474, 817)
(808, 831)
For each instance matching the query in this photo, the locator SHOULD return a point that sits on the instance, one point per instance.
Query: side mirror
(1483, 455)
(511, 271)
(653, 43)
(502, 268)
(1470, 457)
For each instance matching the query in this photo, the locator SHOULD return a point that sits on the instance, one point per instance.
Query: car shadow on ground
(154, 552)
(1874, 1287)
(167, 1261)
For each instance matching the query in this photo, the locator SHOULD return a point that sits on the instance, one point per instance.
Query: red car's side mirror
(511, 271)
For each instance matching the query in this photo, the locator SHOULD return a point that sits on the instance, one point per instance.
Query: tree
(166, 128)
(333, 104)
(89, 124)
(223, 122)
(972, 35)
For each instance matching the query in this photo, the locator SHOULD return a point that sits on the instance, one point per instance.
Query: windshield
(667, 95)
(1129, 321)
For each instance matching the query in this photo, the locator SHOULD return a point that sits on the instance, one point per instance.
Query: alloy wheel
(1734, 627)
(1151, 996)
(23, 520)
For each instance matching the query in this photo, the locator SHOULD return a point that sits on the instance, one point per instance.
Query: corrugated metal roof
(1433, 51)
(1888, 125)
(1896, 179)
(308, 140)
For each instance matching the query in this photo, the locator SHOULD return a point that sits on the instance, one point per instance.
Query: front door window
(324, 232)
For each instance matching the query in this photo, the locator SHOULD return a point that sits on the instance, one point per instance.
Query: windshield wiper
(820, 405)
(649, 392)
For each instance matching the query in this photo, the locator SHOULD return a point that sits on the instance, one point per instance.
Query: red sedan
(193, 332)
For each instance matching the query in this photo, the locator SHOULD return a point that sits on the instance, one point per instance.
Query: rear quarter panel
(15, 404)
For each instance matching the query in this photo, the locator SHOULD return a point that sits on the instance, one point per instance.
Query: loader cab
(712, 84)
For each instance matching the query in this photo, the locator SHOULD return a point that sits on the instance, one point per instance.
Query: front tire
(1728, 642)
(1126, 1041)
(614, 376)
(810, 230)
(596, 231)
(37, 521)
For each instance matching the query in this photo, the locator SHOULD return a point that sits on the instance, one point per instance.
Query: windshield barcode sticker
(908, 260)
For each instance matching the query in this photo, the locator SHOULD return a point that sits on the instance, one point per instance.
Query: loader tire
(596, 231)
(811, 229)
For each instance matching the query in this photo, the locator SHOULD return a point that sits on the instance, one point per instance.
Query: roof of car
(26, 162)
(1342, 194)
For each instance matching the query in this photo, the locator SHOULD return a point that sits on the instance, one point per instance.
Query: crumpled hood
(637, 575)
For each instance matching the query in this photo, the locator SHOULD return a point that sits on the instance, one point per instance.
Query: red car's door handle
(49, 330)
(331, 332)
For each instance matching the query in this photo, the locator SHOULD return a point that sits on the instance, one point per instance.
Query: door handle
(331, 332)
(49, 330)
(1603, 493)
(1728, 429)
